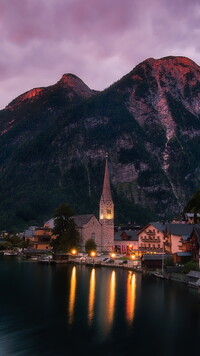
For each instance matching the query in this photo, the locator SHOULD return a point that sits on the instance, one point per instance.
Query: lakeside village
(167, 250)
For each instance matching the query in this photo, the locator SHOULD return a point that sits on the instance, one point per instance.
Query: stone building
(89, 228)
(102, 230)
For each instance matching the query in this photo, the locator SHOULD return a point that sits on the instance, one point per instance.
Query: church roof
(106, 194)
(81, 220)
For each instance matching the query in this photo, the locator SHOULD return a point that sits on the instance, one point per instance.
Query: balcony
(150, 240)
(150, 249)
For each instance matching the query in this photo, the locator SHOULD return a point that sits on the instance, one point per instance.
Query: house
(151, 238)
(39, 238)
(176, 235)
(194, 241)
(126, 241)
(192, 218)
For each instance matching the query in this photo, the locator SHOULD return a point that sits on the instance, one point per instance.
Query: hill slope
(53, 143)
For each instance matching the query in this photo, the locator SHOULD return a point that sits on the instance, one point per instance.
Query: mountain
(53, 143)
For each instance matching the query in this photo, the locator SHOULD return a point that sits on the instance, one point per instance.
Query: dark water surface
(67, 310)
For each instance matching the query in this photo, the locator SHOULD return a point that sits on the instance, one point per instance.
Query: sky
(97, 40)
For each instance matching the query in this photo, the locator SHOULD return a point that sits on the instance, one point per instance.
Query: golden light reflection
(111, 298)
(72, 295)
(91, 296)
(131, 296)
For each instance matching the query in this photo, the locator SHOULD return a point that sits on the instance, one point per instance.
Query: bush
(90, 246)
(190, 266)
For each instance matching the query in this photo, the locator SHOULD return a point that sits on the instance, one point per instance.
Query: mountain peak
(73, 82)
(70, 79)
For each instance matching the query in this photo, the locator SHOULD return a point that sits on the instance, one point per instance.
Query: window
(93, 236)
(108, 211)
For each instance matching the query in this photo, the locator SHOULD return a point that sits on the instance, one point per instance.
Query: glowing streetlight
(113, 255)
(92, 253)
(74, 252)
(133, 257)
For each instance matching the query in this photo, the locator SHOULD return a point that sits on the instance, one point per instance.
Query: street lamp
(74, 252)
(92, 253)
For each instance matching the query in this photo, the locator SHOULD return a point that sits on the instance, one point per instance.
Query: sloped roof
(50, 223)
(81, 220)
(132, 234)
(117, 235)
(106, 193)
(30, 231)
(159, 226)
(179, 229)
(191, 215)
(184, 254)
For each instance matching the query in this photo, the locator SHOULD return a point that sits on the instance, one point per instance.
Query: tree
(90, 246)
(190, 266)
(67, 235)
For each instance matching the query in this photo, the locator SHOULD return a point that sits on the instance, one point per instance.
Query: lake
(77, 310)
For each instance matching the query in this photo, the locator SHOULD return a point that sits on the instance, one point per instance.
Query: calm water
(67, 310)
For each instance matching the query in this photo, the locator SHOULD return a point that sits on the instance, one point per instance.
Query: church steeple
(106, 208)
(106, 213)
(106, 193)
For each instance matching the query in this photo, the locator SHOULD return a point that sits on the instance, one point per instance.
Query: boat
(44, 259)
(10, 253)
(159, 275)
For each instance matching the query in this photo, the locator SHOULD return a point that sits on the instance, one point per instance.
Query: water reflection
(130, 297)
(72, 295)
(91, 298)
(108, 298)
(111, 299)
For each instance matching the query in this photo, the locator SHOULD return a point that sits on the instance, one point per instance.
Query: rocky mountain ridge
(54, 140)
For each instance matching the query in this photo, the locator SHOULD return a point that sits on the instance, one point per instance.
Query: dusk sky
(97, 40)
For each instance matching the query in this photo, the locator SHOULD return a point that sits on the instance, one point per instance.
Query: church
(102, 230)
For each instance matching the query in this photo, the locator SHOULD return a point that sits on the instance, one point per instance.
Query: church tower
(106, 213)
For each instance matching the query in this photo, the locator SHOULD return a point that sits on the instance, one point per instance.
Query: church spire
(106, 208)
(106, 212)
(106, 193)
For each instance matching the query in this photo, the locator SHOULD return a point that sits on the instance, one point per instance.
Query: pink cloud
(99, 41)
